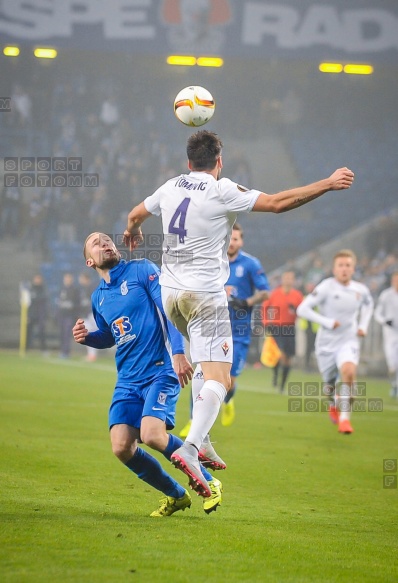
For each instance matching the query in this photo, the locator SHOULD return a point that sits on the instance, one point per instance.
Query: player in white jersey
(386, 314)
(344, 310)
(198, 210)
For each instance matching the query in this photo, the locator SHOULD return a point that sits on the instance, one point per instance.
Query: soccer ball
(194, 106)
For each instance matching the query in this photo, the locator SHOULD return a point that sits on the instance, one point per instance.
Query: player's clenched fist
(79, 331)
(341, 178)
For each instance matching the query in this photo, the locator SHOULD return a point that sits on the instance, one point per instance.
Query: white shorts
(329, 363)
(390, 345)
(203, 319)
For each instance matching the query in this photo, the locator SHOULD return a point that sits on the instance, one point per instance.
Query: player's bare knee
(118, 450)
(154, 436)
(225, 380)
(228, 384)
(348, 373)
(153, 441)
(123, 449)
(219, 372)
(153, 433)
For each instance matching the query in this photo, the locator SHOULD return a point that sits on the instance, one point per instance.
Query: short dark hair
(203, 150)
(237, 227)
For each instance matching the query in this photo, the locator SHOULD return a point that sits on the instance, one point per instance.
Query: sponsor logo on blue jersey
(121, 328)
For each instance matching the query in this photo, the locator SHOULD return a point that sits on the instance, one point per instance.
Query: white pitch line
(245, 388)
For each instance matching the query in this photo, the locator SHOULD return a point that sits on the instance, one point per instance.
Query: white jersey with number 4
(351, 305)
(198, 212)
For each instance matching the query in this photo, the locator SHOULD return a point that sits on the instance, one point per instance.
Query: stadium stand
(91, 113)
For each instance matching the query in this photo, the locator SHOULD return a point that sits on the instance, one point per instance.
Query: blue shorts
(240, 356)
(155, 398)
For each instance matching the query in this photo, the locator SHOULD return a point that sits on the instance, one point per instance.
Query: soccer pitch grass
(301, 502)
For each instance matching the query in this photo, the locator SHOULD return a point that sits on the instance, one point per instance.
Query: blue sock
(174, 443)
(150, 471)
(230, 394)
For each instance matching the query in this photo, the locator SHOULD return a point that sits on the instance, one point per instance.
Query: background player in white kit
(198, 211)
(386, 314)
(345, 309)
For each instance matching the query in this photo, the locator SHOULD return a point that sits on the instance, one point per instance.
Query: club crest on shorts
(162, 398)
(225, 348)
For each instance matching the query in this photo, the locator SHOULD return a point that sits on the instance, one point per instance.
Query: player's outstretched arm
(287, 200)
(132, 236)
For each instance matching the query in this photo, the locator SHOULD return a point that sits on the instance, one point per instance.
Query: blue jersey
(246, 276)
(129, 313)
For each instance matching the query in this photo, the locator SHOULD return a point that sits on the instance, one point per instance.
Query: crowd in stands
(131, 154)
(94, 117)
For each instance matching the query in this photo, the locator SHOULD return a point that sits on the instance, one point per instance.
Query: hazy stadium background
(283, 123)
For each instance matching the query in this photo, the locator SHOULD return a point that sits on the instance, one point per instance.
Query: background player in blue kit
(128, 311)
(247, 285)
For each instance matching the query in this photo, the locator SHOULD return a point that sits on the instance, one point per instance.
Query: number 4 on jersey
(180, 216)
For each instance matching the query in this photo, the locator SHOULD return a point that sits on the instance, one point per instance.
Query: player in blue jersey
(247, 286)
(128, 311)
